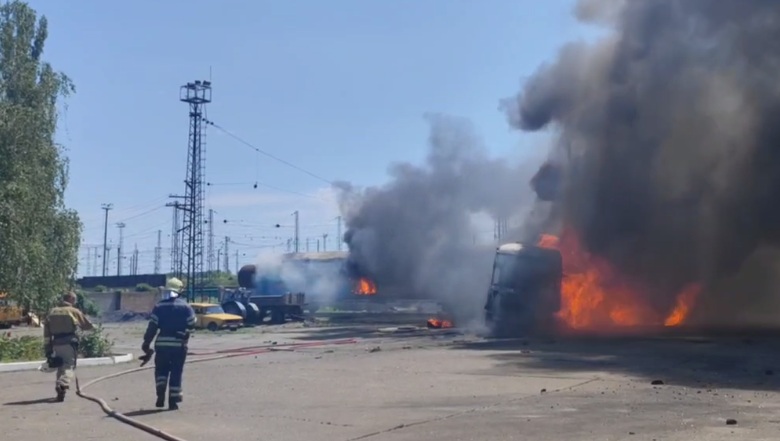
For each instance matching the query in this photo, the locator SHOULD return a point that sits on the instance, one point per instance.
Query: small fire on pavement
(365, 287)
(437, 323)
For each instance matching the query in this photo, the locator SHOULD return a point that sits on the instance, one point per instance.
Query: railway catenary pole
(106, 208)
(121, 226)
(297, 231)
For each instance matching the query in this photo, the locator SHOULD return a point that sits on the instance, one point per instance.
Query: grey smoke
(670, 127)
(415, 235)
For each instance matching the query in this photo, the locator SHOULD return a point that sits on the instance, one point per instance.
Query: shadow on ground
(31, 402)
(741, 362)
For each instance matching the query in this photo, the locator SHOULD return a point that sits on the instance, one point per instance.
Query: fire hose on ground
(219, 355)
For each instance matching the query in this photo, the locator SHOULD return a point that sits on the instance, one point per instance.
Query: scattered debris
(731, 422)
(657, 382)
(543, 391)
(375, 349)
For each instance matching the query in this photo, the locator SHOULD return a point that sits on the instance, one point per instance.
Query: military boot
(61, 393)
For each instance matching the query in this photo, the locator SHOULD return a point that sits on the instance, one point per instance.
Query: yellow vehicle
(212, 317)
(10, 313)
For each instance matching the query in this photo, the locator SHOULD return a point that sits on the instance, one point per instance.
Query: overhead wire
(262, 184)
(263, 152)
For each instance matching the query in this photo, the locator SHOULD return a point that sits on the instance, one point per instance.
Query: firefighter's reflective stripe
(161, 381)
(191, 320)
(174, 392)
(168, 342)
(153, 318)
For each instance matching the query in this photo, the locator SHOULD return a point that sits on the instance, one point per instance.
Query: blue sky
(337, 87)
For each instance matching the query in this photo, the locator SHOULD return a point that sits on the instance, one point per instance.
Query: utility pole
(121, 226)
(107, 254)
(107, 208)
(210, 244)
(325, 242)
(89, 261)
(227, 254)
(158, 253)
(318, 245)
(95, 262)
(236, 262)
(338, 233)
(295, 213)
(135, 260)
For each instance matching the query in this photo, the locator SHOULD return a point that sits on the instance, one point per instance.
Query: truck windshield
(512, 270)
(215, 310)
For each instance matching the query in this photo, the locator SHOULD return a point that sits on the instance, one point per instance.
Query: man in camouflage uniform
(61, 340)
(172, 317)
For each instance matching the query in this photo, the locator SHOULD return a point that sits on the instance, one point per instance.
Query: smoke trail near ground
(669, 124)
(415, 236)
(322, 283)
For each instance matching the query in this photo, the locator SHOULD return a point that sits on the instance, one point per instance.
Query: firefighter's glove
(145, 348)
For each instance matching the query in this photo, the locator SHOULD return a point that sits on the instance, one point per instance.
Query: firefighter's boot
(160, 389)
(173, 403)
(61, 393)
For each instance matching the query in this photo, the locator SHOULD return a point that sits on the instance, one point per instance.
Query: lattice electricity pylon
(197, 94)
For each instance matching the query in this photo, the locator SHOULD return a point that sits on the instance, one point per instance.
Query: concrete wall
(139, 302)
(105, 301)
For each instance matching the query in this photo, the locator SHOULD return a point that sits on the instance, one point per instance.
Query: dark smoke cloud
(415, 235)
(671, 127)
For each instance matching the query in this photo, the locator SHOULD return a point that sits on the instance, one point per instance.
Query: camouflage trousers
(65, 372)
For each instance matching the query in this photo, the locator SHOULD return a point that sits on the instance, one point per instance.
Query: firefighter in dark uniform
(172, 317)
(61, 342)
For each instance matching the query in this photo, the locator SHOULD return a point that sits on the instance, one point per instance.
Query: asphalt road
(426, 385)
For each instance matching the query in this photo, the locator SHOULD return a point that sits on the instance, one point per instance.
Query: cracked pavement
(429, 385)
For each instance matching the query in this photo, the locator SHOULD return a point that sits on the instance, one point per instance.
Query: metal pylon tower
(196, 94)
(176, 268)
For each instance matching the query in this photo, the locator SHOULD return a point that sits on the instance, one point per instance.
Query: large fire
(365, 287)
(594, 296)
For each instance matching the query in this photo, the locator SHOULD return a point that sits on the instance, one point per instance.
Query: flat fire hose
(229, 353)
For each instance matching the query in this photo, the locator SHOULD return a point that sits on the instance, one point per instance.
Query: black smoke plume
(670, 128)
(415, 236)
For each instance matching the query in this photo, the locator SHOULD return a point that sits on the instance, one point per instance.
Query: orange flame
(548, 241)
(439, 323)
(365, 287)
(685, 302)
(595, 296)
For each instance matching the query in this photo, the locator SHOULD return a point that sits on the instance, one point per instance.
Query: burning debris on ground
(365, 287)
(439, 323)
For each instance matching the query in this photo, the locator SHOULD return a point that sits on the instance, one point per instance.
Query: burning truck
(554, 285)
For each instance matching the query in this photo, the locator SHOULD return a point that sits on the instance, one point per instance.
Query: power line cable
(263, 152)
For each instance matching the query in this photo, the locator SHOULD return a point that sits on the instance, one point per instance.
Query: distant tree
(39, 236)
